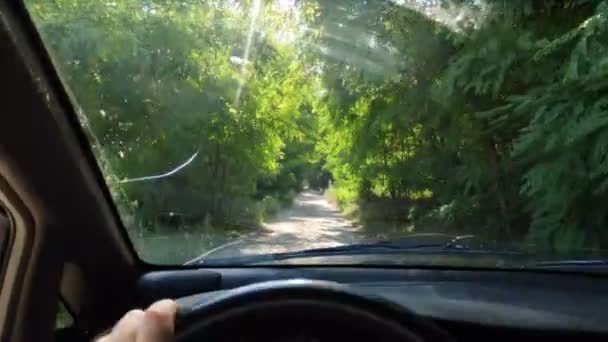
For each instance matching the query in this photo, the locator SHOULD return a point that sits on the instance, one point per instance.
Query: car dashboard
(467, 303)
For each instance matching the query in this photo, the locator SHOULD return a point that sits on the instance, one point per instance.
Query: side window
(64, 318)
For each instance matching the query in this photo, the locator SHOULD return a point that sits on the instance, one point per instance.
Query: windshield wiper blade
(401, 244)
(575, 262)
(413, 243)
(572, 265)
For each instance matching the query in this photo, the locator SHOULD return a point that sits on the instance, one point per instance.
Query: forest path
(312, 222)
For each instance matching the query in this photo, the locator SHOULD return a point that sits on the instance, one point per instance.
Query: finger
(158, 322)
(126, 328)
(165, 307)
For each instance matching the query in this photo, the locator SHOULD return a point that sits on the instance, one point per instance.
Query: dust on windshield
(243, 127)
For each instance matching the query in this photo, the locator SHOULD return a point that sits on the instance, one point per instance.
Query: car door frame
(67, 238)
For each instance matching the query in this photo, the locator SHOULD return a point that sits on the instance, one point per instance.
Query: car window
(455, 133)
(64, 318)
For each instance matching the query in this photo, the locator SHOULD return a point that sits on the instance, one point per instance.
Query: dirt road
(312, 222)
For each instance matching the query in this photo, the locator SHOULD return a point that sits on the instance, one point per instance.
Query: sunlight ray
(255, 12)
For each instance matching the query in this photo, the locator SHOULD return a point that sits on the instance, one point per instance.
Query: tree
(463, 116)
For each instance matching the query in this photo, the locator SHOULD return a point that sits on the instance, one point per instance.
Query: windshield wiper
(407, 243)
(413, 243)
(573, 265)
(582, 262)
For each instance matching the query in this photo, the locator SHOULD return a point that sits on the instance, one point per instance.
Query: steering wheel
(302, 310)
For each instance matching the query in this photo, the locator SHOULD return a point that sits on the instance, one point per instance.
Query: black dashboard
(469, 304)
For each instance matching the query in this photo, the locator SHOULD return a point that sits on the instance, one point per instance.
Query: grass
(381, 218)
(343, 197)
(174, 247)
(169, 245)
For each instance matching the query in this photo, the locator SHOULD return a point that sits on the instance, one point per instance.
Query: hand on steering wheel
(274, 309)
(155, 324)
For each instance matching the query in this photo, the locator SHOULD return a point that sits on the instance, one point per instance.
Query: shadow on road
(312, 222)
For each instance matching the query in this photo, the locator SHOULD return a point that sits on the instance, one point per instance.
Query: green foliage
(159, 81)
(503, 121)
(477, 117)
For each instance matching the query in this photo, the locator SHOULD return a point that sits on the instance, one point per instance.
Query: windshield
(236, 128)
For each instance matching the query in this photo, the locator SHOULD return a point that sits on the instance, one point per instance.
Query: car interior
(62, 245)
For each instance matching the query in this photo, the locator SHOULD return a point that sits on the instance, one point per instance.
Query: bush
(344, 196)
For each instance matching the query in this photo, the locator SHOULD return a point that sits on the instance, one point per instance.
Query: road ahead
(312, 222)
